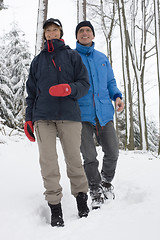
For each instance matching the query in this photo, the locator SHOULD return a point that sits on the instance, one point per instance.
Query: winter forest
(137, 26)
(128, 32)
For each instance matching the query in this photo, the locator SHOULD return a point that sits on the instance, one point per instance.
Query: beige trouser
(69, 133)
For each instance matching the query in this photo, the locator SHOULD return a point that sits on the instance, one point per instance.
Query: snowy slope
(24, 214)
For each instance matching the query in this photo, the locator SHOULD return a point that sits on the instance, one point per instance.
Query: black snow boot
(83, 209)
(56, 215)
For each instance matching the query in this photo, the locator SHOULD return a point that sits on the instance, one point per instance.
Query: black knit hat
(84, 24)
(53, 21)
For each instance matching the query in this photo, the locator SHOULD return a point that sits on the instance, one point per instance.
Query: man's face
(52, 32)
(85, 36)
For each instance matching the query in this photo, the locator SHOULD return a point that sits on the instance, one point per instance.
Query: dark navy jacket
(56, 64)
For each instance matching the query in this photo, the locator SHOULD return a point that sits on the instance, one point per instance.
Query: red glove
(60, 90)
(28, 129)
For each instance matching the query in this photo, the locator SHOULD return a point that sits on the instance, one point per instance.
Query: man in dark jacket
(97, 113)
(56, 80)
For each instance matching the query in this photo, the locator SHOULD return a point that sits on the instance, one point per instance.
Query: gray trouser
(69, 133)
(108, 140)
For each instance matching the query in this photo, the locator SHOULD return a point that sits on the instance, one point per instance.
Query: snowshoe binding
(107, 189)
(97, 199)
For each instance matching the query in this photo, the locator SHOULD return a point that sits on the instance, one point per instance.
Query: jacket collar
(84, 49)
(53, 45)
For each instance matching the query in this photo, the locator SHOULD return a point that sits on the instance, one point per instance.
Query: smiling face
(85, 36)
(52, 31)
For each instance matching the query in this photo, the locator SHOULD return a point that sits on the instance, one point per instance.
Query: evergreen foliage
(2, 6)
(14, 66)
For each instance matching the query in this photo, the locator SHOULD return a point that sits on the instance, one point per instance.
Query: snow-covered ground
(24, 214)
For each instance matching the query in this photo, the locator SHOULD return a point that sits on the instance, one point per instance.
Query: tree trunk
(126, 76)
(157, 40)
(81, 10)
(138, 67)
(41, 18)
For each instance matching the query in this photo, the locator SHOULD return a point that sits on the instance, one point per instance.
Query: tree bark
(81, 10)
(126, 76)
(41, 18)
(157, 40)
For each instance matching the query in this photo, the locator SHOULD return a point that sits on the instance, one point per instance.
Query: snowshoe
(97, 199)
(107, 189)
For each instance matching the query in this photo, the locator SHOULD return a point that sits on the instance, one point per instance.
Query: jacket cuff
(73, 90)
(116, 96)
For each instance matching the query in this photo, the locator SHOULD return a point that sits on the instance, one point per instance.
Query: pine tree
(17, 61)
(6, 104)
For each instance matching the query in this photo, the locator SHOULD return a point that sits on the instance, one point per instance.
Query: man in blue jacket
(97, 113)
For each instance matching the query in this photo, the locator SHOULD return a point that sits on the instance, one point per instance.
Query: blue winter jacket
(103, 87)
(56, 64)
